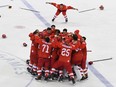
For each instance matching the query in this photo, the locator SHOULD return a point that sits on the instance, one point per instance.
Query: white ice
(98, 27)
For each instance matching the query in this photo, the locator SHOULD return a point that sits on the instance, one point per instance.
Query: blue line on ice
(100, 76)
(93, 70)
(40, 17)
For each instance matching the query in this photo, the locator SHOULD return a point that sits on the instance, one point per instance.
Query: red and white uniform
(78, 35)
(44, 52)
(54, 55)
(84, 51)
(64, 58)
(33, 51)
(63, 10)
(79, 58)
(46, 34)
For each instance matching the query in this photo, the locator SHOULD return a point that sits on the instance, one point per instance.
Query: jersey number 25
(65, 52)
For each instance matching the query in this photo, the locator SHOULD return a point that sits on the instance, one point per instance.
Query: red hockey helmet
(76, 31)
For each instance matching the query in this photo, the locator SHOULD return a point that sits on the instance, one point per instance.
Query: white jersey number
(65, 52)
(45, 48)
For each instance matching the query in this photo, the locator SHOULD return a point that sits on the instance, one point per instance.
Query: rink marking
(38, 15)
(17, 66)
(92, 69)
(29, 82)
(100, 76)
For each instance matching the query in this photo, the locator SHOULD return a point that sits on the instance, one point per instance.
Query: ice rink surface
(98, 26)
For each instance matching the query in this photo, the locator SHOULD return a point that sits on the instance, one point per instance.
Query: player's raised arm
(70, 7)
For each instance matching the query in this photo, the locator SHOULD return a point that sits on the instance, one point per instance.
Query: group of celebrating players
(56, 54)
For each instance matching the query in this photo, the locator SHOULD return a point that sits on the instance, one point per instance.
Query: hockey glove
(48, 3)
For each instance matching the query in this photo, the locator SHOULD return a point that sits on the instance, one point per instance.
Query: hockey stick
(4, 6)
(89, 50)
(102, 60)
(29, 10)
(87, 10)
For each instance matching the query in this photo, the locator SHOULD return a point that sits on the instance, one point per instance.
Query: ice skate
(66, 20)
(27, 61)
(53, 19)
(34, 73)
(46, 78)
(73, 80)
(60, 79)
(38, 78)
(29, 70)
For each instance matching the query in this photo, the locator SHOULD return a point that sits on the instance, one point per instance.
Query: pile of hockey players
(57, 55)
